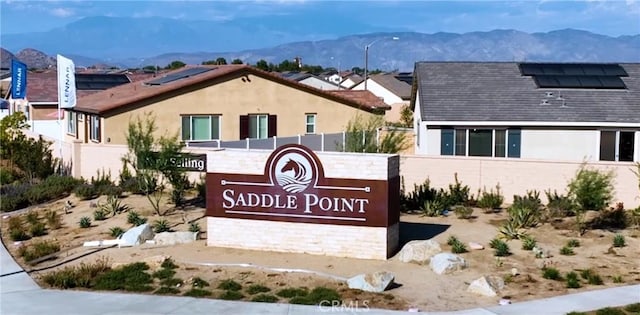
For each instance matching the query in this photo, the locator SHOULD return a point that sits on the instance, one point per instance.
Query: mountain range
(137, 42)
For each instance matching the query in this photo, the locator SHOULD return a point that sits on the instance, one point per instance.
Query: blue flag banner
(18, 79)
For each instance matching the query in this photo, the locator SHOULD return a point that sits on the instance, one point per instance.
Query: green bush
(195, 292)
(551, 274)
(99, 215)
(523, 216)
(322, 294)
(617, 279)
(32, 217)
(531, 200)
(494, 242)
(161, 225)
(86, 192)
(609, 311)
(116, 231)
(463, 212)
(491, 200)
(528, 242)
(53, 219)
(416, 199)
(229, 285)
(501, 249)
(7, 176)
(572, 280)
(168, 264)
(164, 273)
(614, 218)
(171, 282)
(231, 295)
(573, 243)
(433, 208)
(131, 277)
(457, 247)
(257, 288)
(591, 189)
(76, 276)
(301, 300)
(292, 292)
(18, 234)
(567, 251)
(511, 230)
(458, 194)
(200, 283)
(558, 205)
(633, 308)
(38, 250)
(85, 222)
(37, 229)
(591, 276)
(135, 219)
(619, 241)
(194, 227)
(113, 205)
(166, 290)
(264, 298)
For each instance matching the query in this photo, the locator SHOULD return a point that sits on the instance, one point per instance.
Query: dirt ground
(416, 285)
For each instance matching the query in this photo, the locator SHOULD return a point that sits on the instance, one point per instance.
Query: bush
(559, 206)
(18, 235)
(491, 200)
(416, 199)
(633, 308)
(264, 298)
(229, 285)
(86, 192)
(85, 222)
(171, 282)
(38, 250)
(458, 194)
(614, 218)
(567, 251)
(511, 230)
(99, 215)
(113, 205)
(14, 196)
(7, 176)
(502, 249)
(573, 243)
(609, 311)
(463, 212)
(166, 290)
(617, 279)
(195, 292)
(528, 243)
(161, 225)
(164, 274)
(76, 276)
(321, 294)
(619, 241)
(37, 229)
(523, 217)
(494, 242)
(551, 274)
(591, 189)
(591, 276)
(572, 280)
(53, 219)
(131, 277)
(457, 247)
(135, 219)
(32, 217)
(433, 208)
(194, 227)
(292, 292)
(168, 264)
(531, 200)
(200, 283)
(257, 288)
(116, 231)
(231, 295)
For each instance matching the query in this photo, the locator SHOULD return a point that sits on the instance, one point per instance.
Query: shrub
(257, 288)
(573, 243)
(195, 292)
(99, 215)
(229, 285)
(531, 200)
(18, 235)
(523, 217)
(511, 230)
(37, 229)
(53, 219)
(113, 205)
(135, 219)
(458, 194)
(264, 298)
(619, 241)
(551, 274)
(457, 247)
(433, 208)
(633, 308)
(131, 277)
(567, 251)
(528, 242)
(116, 231)
(502, 249)
(591, 188)
(200, 283)
(32, 217)
(609, 311)
(591, 276)
(168, 264)
(452, 240)
(572, 280)
(491, 200)
(86, 192)
(85, 222)
(617, 279)
(39, 249)
(164, 274)
(231, 295)
(321, 294)
(171, 282)
(161, 225)
(494, 242)
(7, 176)
(614, 218)
(194, 227)
(76, 276)
(292, 292)
(301, 300)
(415, 199)
(462, 212)
(166, 290)
(559, 206)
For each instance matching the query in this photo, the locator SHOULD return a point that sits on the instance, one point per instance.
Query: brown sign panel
(293, 188)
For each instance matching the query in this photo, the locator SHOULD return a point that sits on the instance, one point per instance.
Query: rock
(373, 282)
(172, 238)
(419, 251)
(487, 286)
(541, 253)
(514, 272)
(137, 235)
(476, 246)
(444, 263)
(590, 216)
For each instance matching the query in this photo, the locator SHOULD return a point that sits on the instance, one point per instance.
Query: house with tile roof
(310, 79)
(393, 90)
(545, 111)
(218, 102)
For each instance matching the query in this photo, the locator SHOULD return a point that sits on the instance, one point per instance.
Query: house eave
(534, 124)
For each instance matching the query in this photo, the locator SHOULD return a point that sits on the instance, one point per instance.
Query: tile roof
(496, 91)
(361, 96)
(391, 83)
(128, 94)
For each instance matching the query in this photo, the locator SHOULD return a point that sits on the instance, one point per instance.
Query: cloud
(61, 12)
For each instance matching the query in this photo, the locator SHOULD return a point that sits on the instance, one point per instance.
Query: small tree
(406, 116)
(153, 169)
(236, 62)
(176, 64)
(591, 188)
(362, 134)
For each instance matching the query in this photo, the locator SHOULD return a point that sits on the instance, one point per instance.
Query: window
(617, 146)
(80, 117)
(200, 127)
(480, 142)
(258, 126)
(311, 123)
(71, 123)
(94, 128)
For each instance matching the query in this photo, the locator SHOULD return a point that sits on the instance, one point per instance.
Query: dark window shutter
(446, 142)
(273, 126)
(244, 127)
(513, 150)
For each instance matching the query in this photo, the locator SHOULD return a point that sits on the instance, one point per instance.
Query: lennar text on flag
(66, 82)
(18, 79)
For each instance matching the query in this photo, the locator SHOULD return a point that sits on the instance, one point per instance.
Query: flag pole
(59, 120)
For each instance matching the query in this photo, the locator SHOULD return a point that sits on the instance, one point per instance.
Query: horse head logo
(293, 172)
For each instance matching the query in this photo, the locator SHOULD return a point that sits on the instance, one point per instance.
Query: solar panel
(179, 75)
(96, 81)
(580, 82)
(577, 69)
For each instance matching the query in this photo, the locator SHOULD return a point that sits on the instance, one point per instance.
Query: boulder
(444, 263)
(419, 251)
(476, 246)
(137, 235)
(487, 286)
(172, 238)
(373, 282)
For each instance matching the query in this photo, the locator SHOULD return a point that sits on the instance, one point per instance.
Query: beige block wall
(233, 98)
(515, 176)
(317, 239)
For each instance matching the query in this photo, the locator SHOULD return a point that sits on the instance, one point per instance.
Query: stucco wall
(233, 98)
(571, 145)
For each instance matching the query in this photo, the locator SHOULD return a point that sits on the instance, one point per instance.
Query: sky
(610, 17)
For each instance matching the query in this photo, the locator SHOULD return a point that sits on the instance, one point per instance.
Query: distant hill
(135, 42)
(5, 58)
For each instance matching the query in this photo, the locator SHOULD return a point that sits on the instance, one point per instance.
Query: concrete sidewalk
(20, 295)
